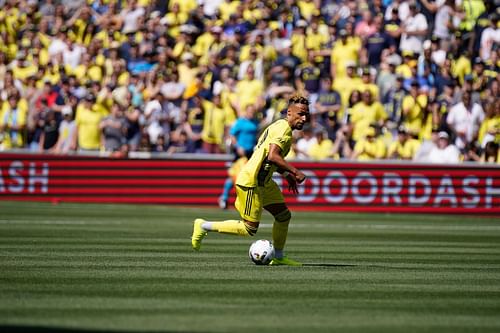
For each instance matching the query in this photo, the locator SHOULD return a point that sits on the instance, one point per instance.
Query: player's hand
(300, 177)
(292, 184)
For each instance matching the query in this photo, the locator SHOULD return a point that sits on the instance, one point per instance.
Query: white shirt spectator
(131, 19)
(210, 6)
(439, 56)
(172, 90)
(257, 65)
(303, 145)
(403, 10)
(443, 17)
(442, 151)
(450, 154)
(424, 151)
(57, 46)
(413, 24)
(72, 55)
(67, 130)
(465, 122)
(489, 38)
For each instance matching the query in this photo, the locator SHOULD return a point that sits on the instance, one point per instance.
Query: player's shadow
(355, 265)
(328, 265)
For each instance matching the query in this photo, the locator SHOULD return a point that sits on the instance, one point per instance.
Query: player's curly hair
(298, 99)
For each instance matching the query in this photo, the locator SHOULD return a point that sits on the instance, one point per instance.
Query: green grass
(130, 268)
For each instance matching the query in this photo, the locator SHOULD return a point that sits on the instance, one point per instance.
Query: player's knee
(251, 228)
(283, 216)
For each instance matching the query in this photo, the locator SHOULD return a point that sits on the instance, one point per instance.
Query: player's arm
(291, 174)
(275, 157)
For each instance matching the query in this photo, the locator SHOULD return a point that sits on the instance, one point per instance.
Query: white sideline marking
(391, 226)
(69, 222)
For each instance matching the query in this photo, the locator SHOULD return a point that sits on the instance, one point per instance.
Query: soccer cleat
(284, 261)
(198, 234)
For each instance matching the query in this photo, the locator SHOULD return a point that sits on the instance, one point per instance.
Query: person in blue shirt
(243, 139)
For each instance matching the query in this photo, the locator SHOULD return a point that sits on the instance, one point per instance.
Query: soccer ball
(261, 252)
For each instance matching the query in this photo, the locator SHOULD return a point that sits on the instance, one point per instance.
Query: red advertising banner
(333, 186)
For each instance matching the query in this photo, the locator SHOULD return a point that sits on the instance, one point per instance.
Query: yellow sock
(234, 227)
(280, 229)
(280, 232)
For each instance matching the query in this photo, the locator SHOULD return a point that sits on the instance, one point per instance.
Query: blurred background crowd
(386, 79)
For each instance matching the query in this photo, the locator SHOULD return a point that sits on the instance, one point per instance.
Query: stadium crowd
(386, 79)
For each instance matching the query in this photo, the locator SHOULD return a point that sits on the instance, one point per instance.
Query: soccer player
(243, 137)
(255, 188)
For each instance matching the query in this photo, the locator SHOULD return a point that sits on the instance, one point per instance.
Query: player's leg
(233, 171)
(248, 203)
(228, 184)
(274, 203)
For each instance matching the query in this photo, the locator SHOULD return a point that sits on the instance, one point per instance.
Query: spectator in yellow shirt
(249, 90)
(13, 114)
(322, 148)
(368, 83)
(187, 69)
(365, 113)
(344, 51)
(23, 69)
(87, 135)
(413, 109)
(214, 125)
(308, 8)
(405, 147)
(369, 148)
(345, 85)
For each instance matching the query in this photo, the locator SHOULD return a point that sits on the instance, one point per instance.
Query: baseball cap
(187, 56)
(350, 63)
(66, 110)
(402, 129)
(443, 135)
(301, 24)
(394, 60)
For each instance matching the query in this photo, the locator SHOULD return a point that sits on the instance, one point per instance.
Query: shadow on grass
(376, 266)
(328, 265)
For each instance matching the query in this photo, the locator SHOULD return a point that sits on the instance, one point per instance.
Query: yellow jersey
(321, 151)
(89, 134)
(363, 115)
(342, 53)
(404, 150)
(259, 171)
(214, 123)
(10, 117)
(369, 150)
(249, 92)
(414, 109)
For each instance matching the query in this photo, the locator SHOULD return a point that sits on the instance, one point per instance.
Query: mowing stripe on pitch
(390, 226)
(68, 222)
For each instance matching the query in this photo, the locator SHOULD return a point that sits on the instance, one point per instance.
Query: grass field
(120, 268)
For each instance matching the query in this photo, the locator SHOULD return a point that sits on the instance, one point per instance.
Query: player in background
(255, 188)
(243, 138)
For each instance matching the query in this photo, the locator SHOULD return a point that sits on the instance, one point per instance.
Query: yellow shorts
(250, 200)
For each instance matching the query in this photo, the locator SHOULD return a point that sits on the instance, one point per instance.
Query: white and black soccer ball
(261, 252)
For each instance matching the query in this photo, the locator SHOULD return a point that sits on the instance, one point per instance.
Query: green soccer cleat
(198, 234)
(284, 261)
